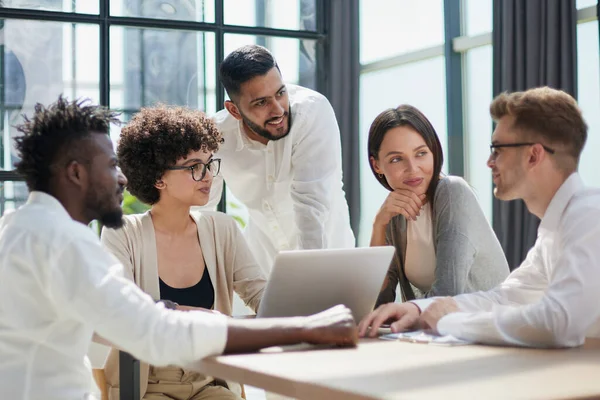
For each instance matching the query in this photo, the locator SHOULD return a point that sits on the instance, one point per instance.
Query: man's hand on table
(401, 316)
(333, 326)
(438, 309)
(407, 316)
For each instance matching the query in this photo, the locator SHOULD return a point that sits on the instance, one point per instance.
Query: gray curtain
(342, 69)
(534, 44)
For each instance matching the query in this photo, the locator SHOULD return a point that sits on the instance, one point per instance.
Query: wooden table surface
(379, 369)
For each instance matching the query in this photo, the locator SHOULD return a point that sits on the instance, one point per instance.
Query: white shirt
(58, 285)
(553, 298)
(292, 187)
(420, 261)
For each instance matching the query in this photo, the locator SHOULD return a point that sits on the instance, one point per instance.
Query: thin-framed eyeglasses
(199, 169)
(493, 147)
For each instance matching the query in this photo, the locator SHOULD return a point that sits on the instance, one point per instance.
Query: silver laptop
(305, 282)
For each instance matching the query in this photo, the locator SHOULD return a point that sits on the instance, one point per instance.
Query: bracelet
(169, 305)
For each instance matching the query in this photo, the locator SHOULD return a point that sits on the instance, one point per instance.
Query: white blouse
(420, 259)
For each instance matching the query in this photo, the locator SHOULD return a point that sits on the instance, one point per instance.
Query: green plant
(131, 205)
(231, 210)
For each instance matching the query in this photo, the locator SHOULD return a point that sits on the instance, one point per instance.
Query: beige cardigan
(230, 264)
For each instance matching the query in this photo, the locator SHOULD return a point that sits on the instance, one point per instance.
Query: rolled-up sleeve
(558, 317)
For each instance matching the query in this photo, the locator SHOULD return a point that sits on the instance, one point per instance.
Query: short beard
(98, 204)
(260, 131)
(112, 219)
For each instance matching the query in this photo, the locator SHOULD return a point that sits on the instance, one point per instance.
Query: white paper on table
(426, 337)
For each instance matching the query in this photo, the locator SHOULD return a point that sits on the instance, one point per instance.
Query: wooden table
(379, 369)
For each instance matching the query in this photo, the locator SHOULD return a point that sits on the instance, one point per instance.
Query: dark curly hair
(53, 133)
(155, 138)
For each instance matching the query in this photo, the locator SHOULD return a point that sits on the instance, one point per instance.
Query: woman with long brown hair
(444, 244)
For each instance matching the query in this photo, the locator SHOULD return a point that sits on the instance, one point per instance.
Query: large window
(477, 17)
(78, 6)
(129, 54)
(588, 70)
(177, 10)
(478, 124)
(278, 14)
(146, 68)
(392, 27)
(41, 60)
(585, 3)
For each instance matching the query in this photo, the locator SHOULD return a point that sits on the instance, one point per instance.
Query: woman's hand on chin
(400, 202)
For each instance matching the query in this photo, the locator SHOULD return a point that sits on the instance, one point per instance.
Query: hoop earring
(380, 176)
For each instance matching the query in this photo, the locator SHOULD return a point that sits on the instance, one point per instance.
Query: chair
(131, 366)
(100, 379)
(129, 374)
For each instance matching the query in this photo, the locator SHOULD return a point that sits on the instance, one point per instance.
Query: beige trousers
(274, 396)
(176, 384)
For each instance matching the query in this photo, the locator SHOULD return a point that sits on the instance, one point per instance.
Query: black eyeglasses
(199, 169)
(493, 147)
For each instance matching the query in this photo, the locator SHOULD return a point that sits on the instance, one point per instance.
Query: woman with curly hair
(187, 260)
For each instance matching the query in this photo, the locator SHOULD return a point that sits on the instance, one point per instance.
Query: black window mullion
(454, 88)
(45, 15)
(220, 91)
(322, 61)
(104, 53)
(2, 111)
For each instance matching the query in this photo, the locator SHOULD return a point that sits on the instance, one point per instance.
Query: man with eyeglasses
(552, 299)
(281, 159)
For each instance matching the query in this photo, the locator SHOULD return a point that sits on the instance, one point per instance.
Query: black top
(201, 294)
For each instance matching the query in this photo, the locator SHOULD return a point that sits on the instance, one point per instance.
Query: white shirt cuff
(450, 324)
(209, 333)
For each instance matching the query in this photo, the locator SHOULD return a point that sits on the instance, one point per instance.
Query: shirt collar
(48, 201)
(241, 138)
(559, 202)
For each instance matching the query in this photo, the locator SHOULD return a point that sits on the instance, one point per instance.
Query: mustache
(285, 114)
